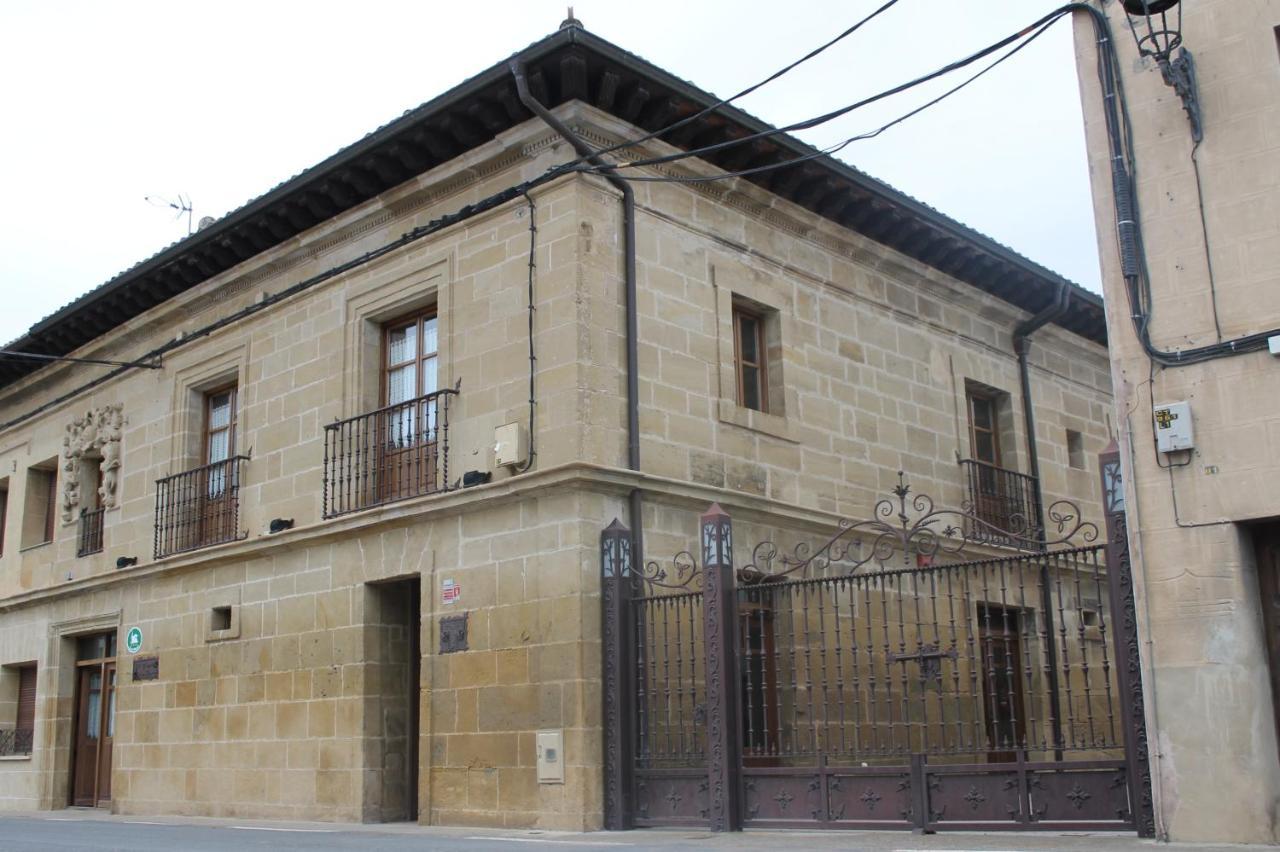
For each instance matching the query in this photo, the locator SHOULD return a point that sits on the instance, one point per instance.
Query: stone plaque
(146, 668)
(453, 633)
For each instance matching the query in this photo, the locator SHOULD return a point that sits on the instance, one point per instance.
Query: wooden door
(107, 727)
(1266, 544)
(94, 723)
(88, 739)
(999, 635)
(759, 676)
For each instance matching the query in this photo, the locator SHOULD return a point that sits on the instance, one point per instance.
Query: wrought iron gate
(878, 680)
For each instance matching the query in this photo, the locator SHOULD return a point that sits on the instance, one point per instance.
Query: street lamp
(1157, 30)
(1161, 38)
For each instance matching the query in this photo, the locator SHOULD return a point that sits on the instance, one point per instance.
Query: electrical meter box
(550, 756)
(510, 444)
(1173, 427)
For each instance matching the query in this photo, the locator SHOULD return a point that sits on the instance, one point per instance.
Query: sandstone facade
(301, 703)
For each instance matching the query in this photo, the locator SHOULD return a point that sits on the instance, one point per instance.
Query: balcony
(1004, 503)
(89, 536)
(199, 507)
(394, 453)
(15, 742)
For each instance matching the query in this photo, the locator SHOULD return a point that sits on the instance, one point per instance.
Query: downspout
(1021, 346)
(629, 278)
(586, 152)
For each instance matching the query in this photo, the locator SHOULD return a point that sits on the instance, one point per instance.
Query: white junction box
(1173, 427)
(550, 757)
(510, 444)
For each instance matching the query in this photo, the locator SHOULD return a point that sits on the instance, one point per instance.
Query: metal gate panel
(827, 687)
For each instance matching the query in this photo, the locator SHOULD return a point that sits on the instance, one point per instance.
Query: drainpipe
(587, 153)
(1021, 346)
(629, 277)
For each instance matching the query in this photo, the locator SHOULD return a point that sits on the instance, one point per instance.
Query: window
(408, 422)
(409, 366)
(750, 359)
(201, 506)
(220, 618)
(1000, 498)
(1075, 449)
(17, 709)
(220, 424)
(984, 427)
(25, 723)
(40, 509)
(89, 477)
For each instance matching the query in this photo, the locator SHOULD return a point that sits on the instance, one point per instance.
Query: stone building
(327, 546)
(1201, 504)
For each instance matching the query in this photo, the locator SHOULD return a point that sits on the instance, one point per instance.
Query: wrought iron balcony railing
(393, 453)
(15, 742)
(1005, 504)
(199, 507)
(89, 536)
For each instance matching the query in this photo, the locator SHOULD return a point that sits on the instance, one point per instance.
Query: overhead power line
(845, 110)
(767, 80)
(839, 146)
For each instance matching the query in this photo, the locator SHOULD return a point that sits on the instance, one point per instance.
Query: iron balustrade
(89, 536)
(389, 454)
(199, 507)
(1004, 504)
(15, 742)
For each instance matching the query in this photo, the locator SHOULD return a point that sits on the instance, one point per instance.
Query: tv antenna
(181, 205)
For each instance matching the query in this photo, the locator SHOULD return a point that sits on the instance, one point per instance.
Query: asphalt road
(71, 831)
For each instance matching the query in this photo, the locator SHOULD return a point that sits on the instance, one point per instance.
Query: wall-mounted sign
(133, 640)
(453, 634)
(146, 668)
(450, 591)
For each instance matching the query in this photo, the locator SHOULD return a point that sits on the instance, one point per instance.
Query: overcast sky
(104, 104)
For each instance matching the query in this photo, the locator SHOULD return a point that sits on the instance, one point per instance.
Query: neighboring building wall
(296, 714)
(1209, 704)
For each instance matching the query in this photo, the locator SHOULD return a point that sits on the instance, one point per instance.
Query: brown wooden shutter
(26, 699)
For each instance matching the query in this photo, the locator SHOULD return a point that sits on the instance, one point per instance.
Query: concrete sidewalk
(75, 829)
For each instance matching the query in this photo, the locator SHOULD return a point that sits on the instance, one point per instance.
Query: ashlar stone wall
(295, 710)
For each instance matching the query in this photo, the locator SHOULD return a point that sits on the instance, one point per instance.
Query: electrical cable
(1204, 230)
(447, 220)
(36, 356)
(627, 143)
(1128, 220)
(533, 360)
(834, 148)
(816, 121)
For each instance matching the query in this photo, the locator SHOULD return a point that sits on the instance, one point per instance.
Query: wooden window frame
(761, 364)
(418, 318)
(973, 396)
(233, 421)
(50, 504)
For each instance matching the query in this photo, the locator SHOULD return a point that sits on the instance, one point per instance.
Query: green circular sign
(133, 640)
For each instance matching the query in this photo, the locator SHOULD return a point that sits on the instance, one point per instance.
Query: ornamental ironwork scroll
(909, 525)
